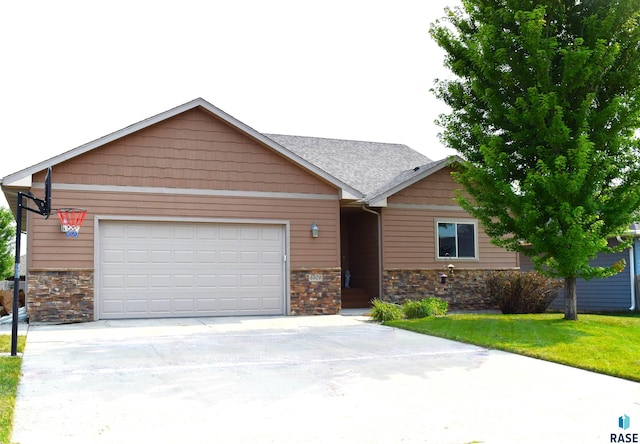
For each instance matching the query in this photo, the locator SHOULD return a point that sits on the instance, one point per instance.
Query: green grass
(9, 377)
(600, 343)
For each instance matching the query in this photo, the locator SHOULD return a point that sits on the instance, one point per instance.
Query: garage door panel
(270, 280)
(205, 281)
(136, 281)
(185, 232)
(184, 305)
(161, 269)
(270, 303)
(250, 257)
(207, 257)
(161, 232)
(113, 281)
(228, 257)
(115, 231)
(250, 304)
(137, 306)
(229, 233)
(270, 258)
(227, 304)
(137, 257)
(113, 306)
(160, 256)
(184, 281)
(228, 281)
(160, 305)
(250, 234)
(160, 281)
(206, 304)
(113, 256)
(136, 231)
(250, 281)
(205, 232)
(271, 233)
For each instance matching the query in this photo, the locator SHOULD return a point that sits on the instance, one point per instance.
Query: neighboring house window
(457, 239)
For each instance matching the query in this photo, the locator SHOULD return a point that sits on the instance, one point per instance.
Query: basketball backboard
(47, 194)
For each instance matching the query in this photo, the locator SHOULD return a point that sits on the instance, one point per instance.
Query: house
(194, 213)
(615, 293)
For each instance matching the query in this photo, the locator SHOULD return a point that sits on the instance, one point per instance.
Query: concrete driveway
(321, 379)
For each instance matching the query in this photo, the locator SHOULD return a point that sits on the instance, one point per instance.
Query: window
(457, 240)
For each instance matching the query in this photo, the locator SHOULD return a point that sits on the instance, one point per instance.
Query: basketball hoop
(71, 220)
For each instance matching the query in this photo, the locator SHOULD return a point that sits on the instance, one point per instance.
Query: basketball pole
(16, 281)
(43, 210)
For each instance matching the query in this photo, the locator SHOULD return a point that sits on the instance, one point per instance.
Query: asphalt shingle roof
(366, 166)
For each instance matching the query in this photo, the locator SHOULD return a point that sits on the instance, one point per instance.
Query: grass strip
(600, 343)
(9, 378)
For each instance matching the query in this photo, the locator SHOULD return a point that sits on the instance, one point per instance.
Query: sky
(74, 71)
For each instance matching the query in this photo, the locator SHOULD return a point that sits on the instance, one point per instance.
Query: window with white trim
(457, 239)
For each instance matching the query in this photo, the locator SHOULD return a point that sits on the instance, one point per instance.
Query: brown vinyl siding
(192, 151)
(436, 189)
(409, 230)
(410, 241)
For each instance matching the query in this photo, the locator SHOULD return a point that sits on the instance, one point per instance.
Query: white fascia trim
(22, 182)
(380, 203)
(344, 194)
(188, 191)
(199, 102)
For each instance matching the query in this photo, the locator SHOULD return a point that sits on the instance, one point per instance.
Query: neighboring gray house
(617, 293)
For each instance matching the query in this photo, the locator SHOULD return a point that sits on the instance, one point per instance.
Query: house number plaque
(315, 278)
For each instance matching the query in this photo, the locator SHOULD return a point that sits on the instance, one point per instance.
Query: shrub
(425, 307)
(518, 293)
(386, 311)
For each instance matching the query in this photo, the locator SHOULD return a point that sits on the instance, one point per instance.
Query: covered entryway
(359, 257)
(179, 269)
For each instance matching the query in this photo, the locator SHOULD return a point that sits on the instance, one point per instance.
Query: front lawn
(9, 378)
(600, 343)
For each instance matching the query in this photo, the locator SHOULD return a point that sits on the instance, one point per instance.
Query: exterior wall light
(314, 230)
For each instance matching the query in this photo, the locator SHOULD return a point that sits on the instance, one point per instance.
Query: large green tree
(545, 107)
(7, 243)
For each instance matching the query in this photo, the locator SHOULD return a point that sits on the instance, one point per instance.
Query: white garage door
(168, 269)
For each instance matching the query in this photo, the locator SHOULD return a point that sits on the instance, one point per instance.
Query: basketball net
(71, 220)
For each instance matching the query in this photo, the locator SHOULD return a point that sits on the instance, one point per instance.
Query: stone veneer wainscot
(60, 295)
(311, 298)
(464, 289)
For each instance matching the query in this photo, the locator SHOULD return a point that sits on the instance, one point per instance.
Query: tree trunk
(570, 299)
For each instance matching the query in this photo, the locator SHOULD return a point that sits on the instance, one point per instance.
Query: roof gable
(408, 178)
(23, 178)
